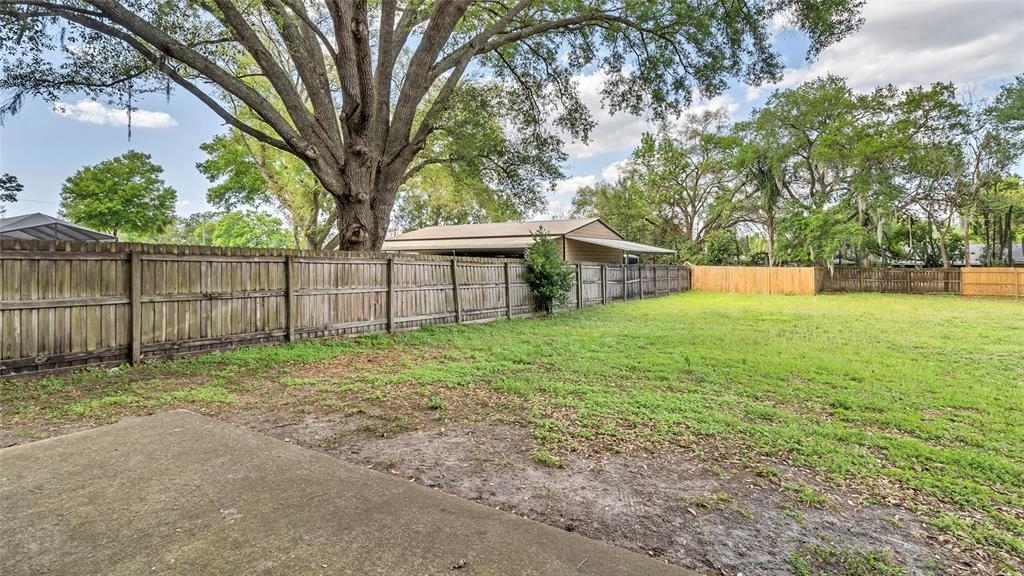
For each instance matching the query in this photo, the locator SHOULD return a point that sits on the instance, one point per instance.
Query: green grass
(814, 560)
(924, 392)
(198, 395)
(545, 458)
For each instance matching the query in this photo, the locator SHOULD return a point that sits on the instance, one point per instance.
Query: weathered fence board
(67, 304)
(892, 280)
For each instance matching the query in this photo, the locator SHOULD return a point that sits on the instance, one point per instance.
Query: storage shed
(579, 240)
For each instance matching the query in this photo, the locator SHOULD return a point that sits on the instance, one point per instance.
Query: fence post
(641, 268)
(655, 280)
(910, 281)
(455, 291)
(579, 286)
(391, 294)
(290, 304)
(625, 283)
(604, 284)
(136, 308)
(508, 292)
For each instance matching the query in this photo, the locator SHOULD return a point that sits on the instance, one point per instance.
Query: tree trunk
(364, 213)
(965, 222)
(943, 234)
(1008, 236)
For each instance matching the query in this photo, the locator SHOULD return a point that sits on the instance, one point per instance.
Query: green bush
(549, 278)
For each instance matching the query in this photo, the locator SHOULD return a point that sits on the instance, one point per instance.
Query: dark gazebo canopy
(39, 226)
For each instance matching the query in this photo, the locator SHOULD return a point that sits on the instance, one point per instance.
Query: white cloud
(622, 132)
(93, 112)
(569, 186)
(967, 42)
(613, 172)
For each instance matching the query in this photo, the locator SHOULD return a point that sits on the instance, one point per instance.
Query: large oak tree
(360, 86)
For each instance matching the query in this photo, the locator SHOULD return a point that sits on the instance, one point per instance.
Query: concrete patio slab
(179, 493)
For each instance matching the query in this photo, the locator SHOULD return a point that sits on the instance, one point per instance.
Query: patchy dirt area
(724, 518)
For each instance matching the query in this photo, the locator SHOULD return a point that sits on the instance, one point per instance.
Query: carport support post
(136, 308)
(391, 294)
(455, 291)
(508, 292)
(604, 284)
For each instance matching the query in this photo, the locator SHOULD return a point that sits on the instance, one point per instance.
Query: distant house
(978, 252)
(581, 240)
(39, 226)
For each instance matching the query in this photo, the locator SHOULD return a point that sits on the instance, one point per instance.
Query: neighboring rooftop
(978, 251)
(496, 229)
(579, 240)
(39, 226)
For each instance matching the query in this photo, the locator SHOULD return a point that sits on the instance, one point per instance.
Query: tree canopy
(9, 188)
(822, 174)
(356, 90)
(123, 194)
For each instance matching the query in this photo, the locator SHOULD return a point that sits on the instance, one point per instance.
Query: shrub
(549, 278)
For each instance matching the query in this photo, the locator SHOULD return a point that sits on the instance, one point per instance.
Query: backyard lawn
(909, 403)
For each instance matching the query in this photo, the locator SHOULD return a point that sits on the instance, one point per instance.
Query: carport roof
(511, 243)
(624, 245)
(38, 226)
(494, 230)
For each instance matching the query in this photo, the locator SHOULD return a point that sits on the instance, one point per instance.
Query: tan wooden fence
(755, 280)
(992, 281)
(974, 281)
(68, 304)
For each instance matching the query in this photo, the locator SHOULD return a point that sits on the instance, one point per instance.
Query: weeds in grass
(545, 458)
(807, 495)
(797, 515)
(293, 382)
(87, 408)
(435, 403)
(709, 501)
(767, 472)
(816, 560)
(198, 395)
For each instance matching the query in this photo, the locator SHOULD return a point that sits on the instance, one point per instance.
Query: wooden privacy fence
(896, 280)
(992, 281)
(755, 280)
(974, 281)
(68, 304)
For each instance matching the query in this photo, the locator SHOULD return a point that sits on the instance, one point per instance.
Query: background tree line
(824, 175)
(819, 175)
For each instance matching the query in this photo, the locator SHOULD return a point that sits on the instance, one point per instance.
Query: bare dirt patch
(716, 519)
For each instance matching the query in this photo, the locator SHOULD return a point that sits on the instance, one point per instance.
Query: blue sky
(977, 44)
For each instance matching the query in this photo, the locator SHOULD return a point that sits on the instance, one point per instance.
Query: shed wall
(577, 251)
(596, 230)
